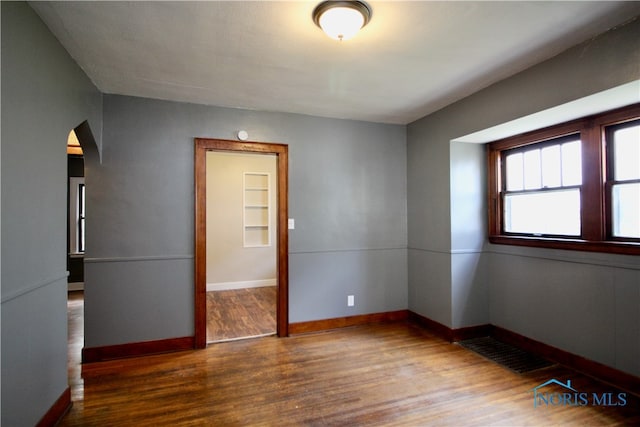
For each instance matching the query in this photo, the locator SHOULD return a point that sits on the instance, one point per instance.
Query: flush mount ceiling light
(341, 20)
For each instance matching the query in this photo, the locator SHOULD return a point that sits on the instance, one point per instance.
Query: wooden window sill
(613, 247)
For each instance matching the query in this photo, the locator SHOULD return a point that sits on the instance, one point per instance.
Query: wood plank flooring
(395, 374)
(75, 337)
(241, 313)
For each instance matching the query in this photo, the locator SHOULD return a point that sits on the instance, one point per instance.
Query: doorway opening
(82, 156)
(75, 213)
(260, 215)
(76, 207)
(75, 257)
(241, 246)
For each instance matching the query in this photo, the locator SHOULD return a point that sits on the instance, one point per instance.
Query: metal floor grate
(506, 355)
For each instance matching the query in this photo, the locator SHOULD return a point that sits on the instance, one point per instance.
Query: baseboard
(342, 322)
(615, 377)
(437, 328)
(58, 410)
(224, 286)
(448, 333)
(119, 351)
(469, 332)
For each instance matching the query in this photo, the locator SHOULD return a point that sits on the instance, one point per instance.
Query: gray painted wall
(347, 193)
(44, 96)
(584, 303)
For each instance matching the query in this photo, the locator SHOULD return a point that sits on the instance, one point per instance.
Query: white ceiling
(413, 58)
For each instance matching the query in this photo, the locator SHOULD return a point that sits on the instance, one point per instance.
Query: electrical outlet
(350, 301)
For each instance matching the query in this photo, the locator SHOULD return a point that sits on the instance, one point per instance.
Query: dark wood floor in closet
(241, 313)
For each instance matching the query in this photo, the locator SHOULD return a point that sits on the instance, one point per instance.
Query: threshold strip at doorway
(270, 334)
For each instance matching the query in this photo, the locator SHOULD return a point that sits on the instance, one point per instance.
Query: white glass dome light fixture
(341, 20)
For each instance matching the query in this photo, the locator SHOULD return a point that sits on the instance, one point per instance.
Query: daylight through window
(625, 180)
(76, 215)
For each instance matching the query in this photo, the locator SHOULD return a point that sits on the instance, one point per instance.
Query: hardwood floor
(75, 338)
(241, 313)
(382, 374)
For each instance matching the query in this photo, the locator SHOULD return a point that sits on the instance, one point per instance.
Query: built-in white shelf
(256, 210)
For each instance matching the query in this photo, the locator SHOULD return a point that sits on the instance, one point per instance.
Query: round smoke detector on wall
(243, 135)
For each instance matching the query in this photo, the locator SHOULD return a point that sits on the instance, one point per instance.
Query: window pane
(626, 148)
(515, 172)
(81, 235)
(81, 216)
(544, 213)
(571, 163)
(626, 210)
(551, 166)
(532, 178)
(81, 200)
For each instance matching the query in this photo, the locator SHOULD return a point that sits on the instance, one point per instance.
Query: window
(572, 186)
(76, 215)
(623, 143)
(539, 179)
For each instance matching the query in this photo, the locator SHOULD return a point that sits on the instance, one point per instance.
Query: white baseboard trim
(75, 286)
(224, 286)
